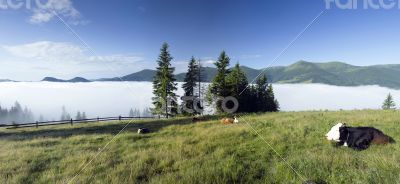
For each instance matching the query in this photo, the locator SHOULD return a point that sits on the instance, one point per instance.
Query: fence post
(37, 124)
(72, 122)
(119, 118)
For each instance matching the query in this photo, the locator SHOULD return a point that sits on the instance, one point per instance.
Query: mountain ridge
(331, 73)
(73, 80)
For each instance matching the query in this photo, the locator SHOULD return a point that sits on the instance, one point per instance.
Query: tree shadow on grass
(114, 128)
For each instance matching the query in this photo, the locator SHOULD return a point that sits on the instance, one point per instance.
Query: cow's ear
(344, 124)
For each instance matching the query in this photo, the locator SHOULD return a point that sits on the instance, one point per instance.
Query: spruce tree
(164, 85)
(389, 103)
(64, 114)
(136, 113)
(236, 82)
(260, 93)
(218, 86)
(78, 115)
(264, 97)
(84, 115)
(191, 78)
(273, 104)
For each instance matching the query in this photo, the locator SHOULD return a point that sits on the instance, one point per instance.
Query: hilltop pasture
(179, 151)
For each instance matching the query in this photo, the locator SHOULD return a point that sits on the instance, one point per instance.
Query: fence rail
(71, 121)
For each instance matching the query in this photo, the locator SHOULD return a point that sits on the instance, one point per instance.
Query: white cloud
(121, 59)
(181, 66)
(66, 60)
(208, 63)
(64, 52)
(47, 51)
(43, 13)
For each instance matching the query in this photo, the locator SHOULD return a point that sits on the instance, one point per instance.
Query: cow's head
(334, 133)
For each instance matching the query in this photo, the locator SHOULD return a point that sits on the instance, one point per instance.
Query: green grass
(178, 151)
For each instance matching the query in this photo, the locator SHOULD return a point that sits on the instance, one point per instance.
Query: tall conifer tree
(190, 81)
(219, 86)
(164, 85)
(236, 82)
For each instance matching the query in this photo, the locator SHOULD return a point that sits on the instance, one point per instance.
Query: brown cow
(227, 121)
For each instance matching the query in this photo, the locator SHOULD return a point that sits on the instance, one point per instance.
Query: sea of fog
(117, 98)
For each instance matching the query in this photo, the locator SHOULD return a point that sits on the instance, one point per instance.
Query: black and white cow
(143, 131)
(358, 138)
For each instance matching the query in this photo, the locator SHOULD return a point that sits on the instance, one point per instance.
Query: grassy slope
(206, 152)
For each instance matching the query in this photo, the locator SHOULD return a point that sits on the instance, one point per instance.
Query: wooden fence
(71, 122)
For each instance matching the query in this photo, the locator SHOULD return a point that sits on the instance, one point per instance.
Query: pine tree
(236, 82)
(78, 116)
(191, 78)
(131, 114)
(136, 113)
(273, 104)
(389, 103)
(218, 86)
(261, 94)
(84, 115)
(164, 85)
(64, 114)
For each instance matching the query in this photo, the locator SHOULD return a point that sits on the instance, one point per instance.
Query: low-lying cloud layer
(300, 97)
(116, 98)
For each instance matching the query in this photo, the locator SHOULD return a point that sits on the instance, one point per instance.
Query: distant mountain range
(6, 80)
(332, 73)
(76, 79)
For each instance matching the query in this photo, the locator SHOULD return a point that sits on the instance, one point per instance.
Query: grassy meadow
(179, 151)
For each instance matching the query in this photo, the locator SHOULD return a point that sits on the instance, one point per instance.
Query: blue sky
(126, 35)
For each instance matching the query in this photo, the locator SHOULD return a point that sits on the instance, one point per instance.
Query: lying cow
(228, 121)
(358, 138)
(143, 131)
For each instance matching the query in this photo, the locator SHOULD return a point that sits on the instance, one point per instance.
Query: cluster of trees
(233, 83)
(80, 115)
(16, 114)
(226, 83)
(164, 87)
(136, 113)
(66, 116)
